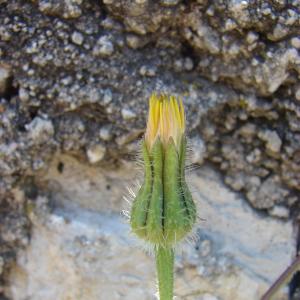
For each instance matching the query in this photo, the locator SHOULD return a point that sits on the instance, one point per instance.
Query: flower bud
(163, 211)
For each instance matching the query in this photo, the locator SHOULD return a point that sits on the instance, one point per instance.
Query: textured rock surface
(81, 251)
(75, 76)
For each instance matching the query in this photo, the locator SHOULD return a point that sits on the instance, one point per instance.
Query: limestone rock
(77, 252)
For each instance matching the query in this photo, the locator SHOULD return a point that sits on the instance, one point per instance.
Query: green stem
(165, 272)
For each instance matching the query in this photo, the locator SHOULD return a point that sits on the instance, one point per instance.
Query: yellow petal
(166, 120)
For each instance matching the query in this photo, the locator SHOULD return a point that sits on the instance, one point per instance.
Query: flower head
(163, 211)
(166, 120)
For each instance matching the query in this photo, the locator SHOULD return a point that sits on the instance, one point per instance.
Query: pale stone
(77, 38)
(95, 153)
(23, 94)
(273, 141)
(84, 251)
(297, 93)
(188, 64)
(295, 42)
(1, 265)
(40, 129)
(133, 41)
(128, 114)
(169, 2)
(104, 47)
(107, 97)
(4, 76)
(105, 133)
(279, 212)
(208, 296)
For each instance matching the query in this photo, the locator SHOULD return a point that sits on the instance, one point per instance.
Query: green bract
(163, 211)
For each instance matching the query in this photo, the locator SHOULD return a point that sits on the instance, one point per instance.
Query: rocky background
(74, 81)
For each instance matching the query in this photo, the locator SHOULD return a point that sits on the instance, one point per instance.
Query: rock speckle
(105, 133)
(104, 47)
(133, 41)
(169, 2)
(128, 114)
(5, 74)
(297, 94)
(40, 129)
(1, 264)
(208, 296)
(77, 38)
(147, 71)
(279, 212)
(295, 41)
(67, 9)
(95, 153)
(273, 142)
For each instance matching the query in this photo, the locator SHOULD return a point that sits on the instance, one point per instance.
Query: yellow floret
(166, 120)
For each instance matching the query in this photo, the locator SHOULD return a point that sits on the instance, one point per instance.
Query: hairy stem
(165, 272)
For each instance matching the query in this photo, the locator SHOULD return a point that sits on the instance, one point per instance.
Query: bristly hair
(189, 166)
(191, 238)
(135, 185)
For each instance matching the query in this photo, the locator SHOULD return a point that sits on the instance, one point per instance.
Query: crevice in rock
(11, 90)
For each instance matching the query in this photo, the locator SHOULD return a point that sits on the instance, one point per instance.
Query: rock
(40, 129)
(280, 31)
(169, 2)
(188, 64)
(208, 296)
(248, 130)
(252, 37)
(1, 264)
(95, 153)
(206, 38)
(297, 94)
(107, 97)
(205, 248)
(249, 156)
(279, 212)
(295, 42)
(23, 94)
(273, 142)
(104, 47)
(77, 38)
(5, 74)
(128, 114)
(133, 41)
(105, 133)
(141, 1)
(267, 194)
(237, 181)
(97, 250)
(147, 71)
(68, 9)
